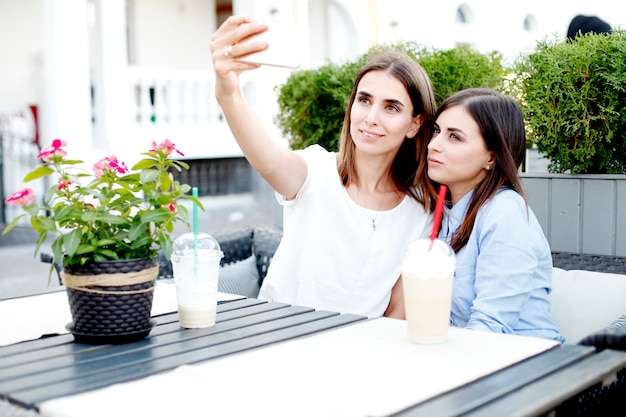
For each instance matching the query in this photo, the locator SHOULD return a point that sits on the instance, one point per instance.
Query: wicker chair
(598, 400)
(239, 244)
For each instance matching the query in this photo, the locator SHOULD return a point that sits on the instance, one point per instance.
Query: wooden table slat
(80, 378)
(545, 395)
(77, 354)
(482, 391)
(54, 339)
(39, 349)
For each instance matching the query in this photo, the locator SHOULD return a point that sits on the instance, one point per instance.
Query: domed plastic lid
(188, 242)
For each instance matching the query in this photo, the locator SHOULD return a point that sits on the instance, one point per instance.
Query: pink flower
(111, 164)
(172, 207)
(166, 146)
(62, 183)
(22, 197)
(53, 150)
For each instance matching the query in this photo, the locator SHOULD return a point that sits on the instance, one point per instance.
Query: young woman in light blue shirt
(504, 264)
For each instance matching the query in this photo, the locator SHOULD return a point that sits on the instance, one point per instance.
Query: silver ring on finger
(228, 51)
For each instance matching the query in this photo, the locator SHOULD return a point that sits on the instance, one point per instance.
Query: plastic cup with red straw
(441, 199)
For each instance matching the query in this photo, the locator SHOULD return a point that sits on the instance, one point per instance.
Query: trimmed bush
(312, 102)
(573, 94)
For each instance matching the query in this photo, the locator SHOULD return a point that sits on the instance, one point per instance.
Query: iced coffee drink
(427, 275)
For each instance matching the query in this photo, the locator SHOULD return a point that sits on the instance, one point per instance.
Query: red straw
(441, 198)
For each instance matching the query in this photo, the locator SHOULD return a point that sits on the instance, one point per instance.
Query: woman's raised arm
(283, 169)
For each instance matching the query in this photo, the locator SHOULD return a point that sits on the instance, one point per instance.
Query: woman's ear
(416, 125)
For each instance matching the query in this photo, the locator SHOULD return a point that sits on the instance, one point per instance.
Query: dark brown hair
(501, 124)
(404, 169)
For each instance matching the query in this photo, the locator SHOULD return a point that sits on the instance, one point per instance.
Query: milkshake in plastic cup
(195, 264)
(427, 277)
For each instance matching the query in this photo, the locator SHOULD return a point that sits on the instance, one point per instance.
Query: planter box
(580, 213)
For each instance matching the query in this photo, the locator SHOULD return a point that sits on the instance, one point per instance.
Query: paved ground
(22, 273)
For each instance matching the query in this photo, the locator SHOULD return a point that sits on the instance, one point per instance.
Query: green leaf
(107, 242)
(165, 182)
(40, 241)
(195, 200)
(181, 164)
(156, 216)
(37, 173)
(73, 162)
(44, 223)
(71, 241)
(108, 254)
(83, 249)
(143, 241)
(166, 246)
(149, 175)
(12, 224)
(57, 250)
(144, 164)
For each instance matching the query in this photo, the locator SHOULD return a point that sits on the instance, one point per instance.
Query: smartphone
(286, 47)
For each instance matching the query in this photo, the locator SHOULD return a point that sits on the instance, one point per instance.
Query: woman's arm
(395, 309)
(507, 268)
(283, 169)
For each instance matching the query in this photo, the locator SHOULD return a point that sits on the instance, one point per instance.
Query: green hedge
(573, 94)
(312, 102)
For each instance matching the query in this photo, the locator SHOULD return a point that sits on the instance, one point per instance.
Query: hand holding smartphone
(286, 47)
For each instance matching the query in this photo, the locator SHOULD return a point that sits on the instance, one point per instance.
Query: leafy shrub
(573, 95)
(458, 68)
(312, 102)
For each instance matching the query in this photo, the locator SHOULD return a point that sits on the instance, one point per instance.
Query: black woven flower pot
(111, 301)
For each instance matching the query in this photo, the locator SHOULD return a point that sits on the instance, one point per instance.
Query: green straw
(194, 193)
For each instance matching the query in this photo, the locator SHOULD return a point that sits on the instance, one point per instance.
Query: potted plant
(573, 94)
(109, 226)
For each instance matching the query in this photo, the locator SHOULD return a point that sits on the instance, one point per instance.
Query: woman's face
(381, 116)
(457, 152)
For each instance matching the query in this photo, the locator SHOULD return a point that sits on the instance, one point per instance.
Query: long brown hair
(404, 169)
(501, 125)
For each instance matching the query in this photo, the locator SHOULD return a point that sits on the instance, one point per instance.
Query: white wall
(497, 25)
(21, 49)
(183, 42)
(173, 34)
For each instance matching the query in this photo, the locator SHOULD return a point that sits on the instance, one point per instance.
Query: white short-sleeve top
(330, 257)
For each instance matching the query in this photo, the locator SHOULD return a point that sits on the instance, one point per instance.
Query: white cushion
(240, 278)
(584, 302)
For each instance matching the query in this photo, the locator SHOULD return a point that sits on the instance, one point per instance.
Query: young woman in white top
(348, 216)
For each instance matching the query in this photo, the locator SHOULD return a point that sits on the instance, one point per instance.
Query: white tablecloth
(28, 318)
(366, 369)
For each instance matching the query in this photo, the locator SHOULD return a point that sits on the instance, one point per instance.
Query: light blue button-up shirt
(503, 274)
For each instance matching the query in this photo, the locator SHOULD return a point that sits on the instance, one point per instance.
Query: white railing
(179, 105)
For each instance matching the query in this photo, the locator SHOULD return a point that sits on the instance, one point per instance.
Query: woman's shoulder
(315, 150)
(505, 203)
(506, 197)
(317, 156)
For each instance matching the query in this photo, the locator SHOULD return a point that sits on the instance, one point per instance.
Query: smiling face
(457, 153)
(381, 116)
